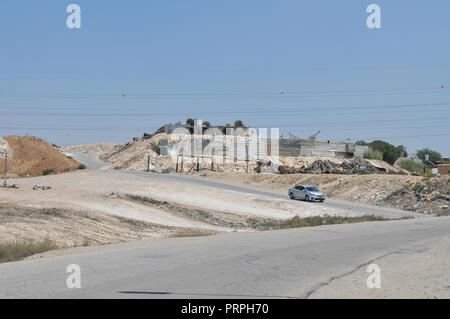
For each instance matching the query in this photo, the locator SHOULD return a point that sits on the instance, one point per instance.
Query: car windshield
(311, 189)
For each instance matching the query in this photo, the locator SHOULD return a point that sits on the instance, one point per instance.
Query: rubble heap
(350, 166)
(430, 196)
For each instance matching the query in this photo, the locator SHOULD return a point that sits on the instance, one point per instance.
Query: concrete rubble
(430, 196)
(350, 166)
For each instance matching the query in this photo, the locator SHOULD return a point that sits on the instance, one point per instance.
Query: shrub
(18, 250)
(48, 171)
(418, 188)
(373, 154)
(412, 166)
(207, 124)
(238, 123)
(389, 151)
(193, 233)
(400, 191)
(82, 166)
(433, 155)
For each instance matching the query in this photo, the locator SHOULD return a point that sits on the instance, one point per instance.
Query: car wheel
(307, 198)
(291, 196)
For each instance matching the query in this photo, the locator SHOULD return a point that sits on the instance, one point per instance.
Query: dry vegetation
(297, 222)
(70, 228)
(17, 250)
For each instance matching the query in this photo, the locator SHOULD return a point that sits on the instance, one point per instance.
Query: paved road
(351, 207)
(92, 161)
(278, 264)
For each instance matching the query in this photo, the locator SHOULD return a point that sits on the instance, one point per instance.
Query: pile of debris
(431, 196)
(158, 152)
(141, 153)
(348, 166)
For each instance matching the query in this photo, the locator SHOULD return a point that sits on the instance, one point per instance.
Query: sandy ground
(398, 279)
(68, 228)
(367, 189)
(84, 196)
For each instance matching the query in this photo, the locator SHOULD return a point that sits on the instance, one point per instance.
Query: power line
(130, 113)
(265, 94)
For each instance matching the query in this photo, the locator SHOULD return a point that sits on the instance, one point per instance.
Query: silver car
(306, 192)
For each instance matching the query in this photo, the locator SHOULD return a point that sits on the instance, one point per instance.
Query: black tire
(291, 196)
(307, 198)
(322, 200)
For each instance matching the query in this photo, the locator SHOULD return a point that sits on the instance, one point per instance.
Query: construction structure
(443, 169)
(268, 146)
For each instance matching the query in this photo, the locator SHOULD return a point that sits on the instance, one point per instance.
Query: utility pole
(246, 156)
(6, 167)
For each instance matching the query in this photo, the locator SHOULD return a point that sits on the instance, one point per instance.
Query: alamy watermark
(73, 281)
(374, 279)
(235, 145)
(374, 19)
(74, 19)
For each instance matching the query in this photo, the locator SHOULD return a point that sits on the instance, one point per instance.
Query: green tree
(190, 122)
(361, 143)
(390, 152)
(434, 156)
(207, 124)
(238, 123)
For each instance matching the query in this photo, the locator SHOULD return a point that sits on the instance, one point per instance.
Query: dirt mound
(134, 155)
(95, 148)
(30, 156)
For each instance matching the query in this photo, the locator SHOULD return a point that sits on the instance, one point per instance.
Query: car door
(300, 192)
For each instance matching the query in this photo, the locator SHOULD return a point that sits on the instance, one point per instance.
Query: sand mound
(30, 156)
(134, 155)
(95, 148)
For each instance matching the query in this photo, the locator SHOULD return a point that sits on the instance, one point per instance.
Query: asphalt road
(277, 264)
(92, 161)
(350, 207)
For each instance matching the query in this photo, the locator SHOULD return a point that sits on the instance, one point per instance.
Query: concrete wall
(300, 147)
(286, 147)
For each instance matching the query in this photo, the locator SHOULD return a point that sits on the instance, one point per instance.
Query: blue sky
(227, 60)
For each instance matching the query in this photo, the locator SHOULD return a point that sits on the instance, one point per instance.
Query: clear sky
(225, 60)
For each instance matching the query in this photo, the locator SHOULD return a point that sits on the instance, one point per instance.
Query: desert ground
(79, 204)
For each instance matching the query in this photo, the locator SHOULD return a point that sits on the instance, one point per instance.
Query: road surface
(92, 161)
(295, 263)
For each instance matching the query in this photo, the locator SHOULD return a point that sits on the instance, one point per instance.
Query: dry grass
(193, 233)
(445, 212)
(297, 222)
(17, 250)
